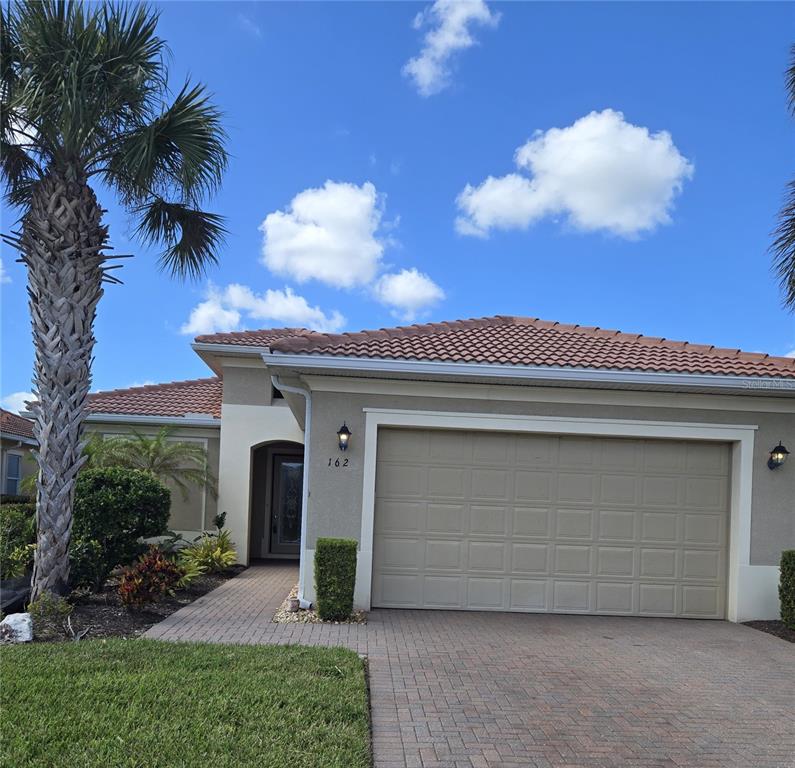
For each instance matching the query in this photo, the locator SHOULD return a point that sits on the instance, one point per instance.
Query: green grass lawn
(149, 703)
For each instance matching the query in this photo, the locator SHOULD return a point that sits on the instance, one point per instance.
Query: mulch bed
(283, 614)
(105, 616)
(776, 628)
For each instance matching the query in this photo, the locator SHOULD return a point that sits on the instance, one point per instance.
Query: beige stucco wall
(249, 418)
(194, 512)
(336, 493)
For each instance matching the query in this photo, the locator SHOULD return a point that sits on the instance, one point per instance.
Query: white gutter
(179, 421)
(307, 395)
(529, 372)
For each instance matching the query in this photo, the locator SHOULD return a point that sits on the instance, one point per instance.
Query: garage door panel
(443, 591)
(619, 490)
(615, 598)
(494, 521)
(571, 596)
(576, 486)
(618, 525)
(530, 558)
(490, 484)
(488, 556)
(447, 483)
(616, 561)
(447, 518)
(533, 486)
(531, 521)
(441, 554)
(529, 595)
(403, 480)
(486, 593)
(574, 523)
(489, 520)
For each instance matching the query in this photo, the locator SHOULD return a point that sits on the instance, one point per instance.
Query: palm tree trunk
(62, 243)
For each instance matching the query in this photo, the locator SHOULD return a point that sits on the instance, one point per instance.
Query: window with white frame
(13, 473)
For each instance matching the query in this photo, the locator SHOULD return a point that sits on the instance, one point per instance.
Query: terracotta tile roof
(175, 398)
(12, 425)
(530, 341)
(261, 338)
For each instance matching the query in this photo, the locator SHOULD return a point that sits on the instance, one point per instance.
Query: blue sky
(617, 165)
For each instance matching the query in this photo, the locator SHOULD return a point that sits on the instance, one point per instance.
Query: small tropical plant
(148, 580)
(20, 561)
(50, 615)
(169, 459)
(214, 553)
(84, 101)
(335, 577)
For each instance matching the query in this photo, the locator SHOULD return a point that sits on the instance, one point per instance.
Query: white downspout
(307, 395)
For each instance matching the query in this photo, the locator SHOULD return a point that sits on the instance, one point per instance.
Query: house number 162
(338, 462)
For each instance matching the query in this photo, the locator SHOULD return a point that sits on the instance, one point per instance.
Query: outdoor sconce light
(777, 456)
(344, 435)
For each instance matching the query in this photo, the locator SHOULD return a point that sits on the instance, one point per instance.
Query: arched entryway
(277, 472)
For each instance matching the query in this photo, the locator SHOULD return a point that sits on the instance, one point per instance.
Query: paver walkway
(452, 689)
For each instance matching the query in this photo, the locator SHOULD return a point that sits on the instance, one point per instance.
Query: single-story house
(501, 463)
(16, 444)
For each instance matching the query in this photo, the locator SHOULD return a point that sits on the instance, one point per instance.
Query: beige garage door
(497, 521)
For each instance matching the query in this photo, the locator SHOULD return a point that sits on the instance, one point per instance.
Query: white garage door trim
(740, 436)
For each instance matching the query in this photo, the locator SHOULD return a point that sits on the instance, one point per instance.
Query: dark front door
(287, 492)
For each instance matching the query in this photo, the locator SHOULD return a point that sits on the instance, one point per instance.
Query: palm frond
(784, 247)
(192, 237)
(789, 78)
(20, 172)
(181, 150)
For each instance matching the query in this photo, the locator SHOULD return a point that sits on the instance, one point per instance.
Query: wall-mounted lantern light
(777, 456)
(344, 436)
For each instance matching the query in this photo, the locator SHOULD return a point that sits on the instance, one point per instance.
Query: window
(13, 472)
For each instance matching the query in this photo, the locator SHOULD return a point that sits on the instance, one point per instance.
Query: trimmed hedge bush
(786, 587)
(116, 508)
(17, 530)
(335, 577)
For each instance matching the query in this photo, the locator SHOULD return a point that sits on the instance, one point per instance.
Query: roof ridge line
(157, 385)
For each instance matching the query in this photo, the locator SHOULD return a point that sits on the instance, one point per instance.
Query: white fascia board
(177, 421)
(228, 349)
(531, 373)
(18, 439)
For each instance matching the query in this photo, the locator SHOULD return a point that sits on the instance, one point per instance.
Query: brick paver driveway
(491, 689)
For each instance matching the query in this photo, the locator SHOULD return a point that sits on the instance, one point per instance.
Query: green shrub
(146, 581)
(786, 587)
(116, 508)
(212, 553)
(17, 498)
(17, 530)
(87, 567)
(335, 577)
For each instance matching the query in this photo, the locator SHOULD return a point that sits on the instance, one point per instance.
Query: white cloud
(601, 172)
(223, 310)
(15, 402)
(247, 24)
(408, 292)
(328, 234)
(4, 276)
(210, 316)
(449, 23)
(791, 353)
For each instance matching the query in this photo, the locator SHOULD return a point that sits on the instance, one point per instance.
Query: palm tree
(784, 235)
(170, 460)
(84, 100)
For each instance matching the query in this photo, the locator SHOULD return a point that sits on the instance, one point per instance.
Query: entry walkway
(475, 690)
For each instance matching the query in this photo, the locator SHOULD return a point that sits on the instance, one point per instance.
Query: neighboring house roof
(12, 425)
(262, 338)
(175, 398)
(527, 341)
